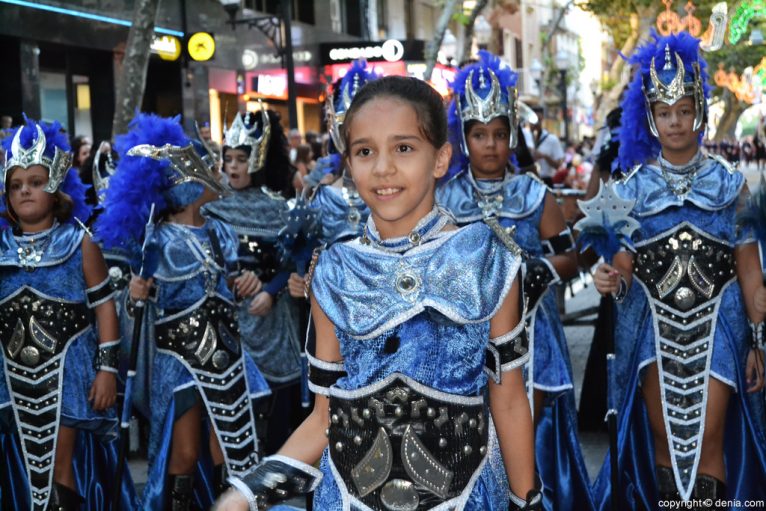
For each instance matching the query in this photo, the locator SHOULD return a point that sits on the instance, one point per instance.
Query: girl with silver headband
(257, 167)
(58, 387)
(342, 213)
(484, 186)
(686, 287)
(414, 345)
(194, 382)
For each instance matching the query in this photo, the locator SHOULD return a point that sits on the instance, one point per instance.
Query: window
(352, 17)
(303, 11)
(382, 10)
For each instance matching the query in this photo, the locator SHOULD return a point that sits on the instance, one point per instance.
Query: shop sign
(168, 47)
(201, 46)
(391, 50)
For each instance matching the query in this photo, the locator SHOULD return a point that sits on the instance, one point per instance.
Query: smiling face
(29, 202)
(488, 147)
(235, 165)
(675, 126)
(393, 164)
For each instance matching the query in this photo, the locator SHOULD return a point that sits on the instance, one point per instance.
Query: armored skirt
(46, 374)
(410, 427)
(191, 353)
(518, 202)
(684, 312)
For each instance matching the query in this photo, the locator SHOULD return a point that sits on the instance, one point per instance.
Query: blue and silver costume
(257, 214)
(190, 349)
(684, 310)
(414, 370)
(485, 91)
(49, 343)
(342, 213)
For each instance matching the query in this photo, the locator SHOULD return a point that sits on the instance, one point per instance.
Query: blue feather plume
(604, 239)
(505, 76)
(356, 76)
(330, 164)
(137, 183)
(637, 144)
(54, 137)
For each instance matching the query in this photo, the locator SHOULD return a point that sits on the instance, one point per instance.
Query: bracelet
(756, 341)
(622, 291)
(107, 357)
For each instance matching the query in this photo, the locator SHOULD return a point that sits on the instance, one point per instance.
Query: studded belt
(34, 331)
(684, 268)
(206, 338)
(404, 446)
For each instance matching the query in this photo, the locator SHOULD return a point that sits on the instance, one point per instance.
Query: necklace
(489, 193)
(680, 178)
(31, 247)
(427, 228)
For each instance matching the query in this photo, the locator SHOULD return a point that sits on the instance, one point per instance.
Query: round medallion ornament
(399, 495)
(30, 355)
(407, 283)
(684, 298)
(220, 359)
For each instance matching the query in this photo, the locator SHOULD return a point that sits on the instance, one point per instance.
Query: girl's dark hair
(277, 172)
(426, 102)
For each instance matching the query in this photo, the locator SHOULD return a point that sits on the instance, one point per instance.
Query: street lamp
(562, 64)
(448, 47)
(536, 70)
(277, 29)
(483, 31)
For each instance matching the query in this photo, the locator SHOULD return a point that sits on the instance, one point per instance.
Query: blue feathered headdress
(340, 100)
(466, 95)
(638, 144)
(54, 138)
(138, 183)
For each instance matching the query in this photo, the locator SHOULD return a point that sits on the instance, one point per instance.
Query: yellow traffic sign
(201, 46)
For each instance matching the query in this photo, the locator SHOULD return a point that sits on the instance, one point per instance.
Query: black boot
(220, 484)
(711, 489)
(63, 498)
(181, 492)
(666, 484)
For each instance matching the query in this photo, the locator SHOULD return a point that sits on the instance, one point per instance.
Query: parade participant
(685, 290)
(57, 421)
(407, 328)
(195, 382)
(484, 184)
(256, 165)
(342, 212)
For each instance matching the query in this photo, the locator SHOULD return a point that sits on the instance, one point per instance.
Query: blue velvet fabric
(712, 209)
(557, 448)
(443, 330)
(59, 275)
(274, 340)
(333, 214)
(164, 387)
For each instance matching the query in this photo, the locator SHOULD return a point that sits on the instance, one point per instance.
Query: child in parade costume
(342, 212)
(483, 184)
(686, 289)
(58, 387)
(408, 328)
(197, 385)
(256, 163)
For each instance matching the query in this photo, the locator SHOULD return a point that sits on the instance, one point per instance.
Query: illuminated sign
(272, 85)
(201, 46)
(168, 47)
(391, 50)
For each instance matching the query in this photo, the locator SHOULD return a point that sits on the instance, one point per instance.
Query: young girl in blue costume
(685, 291)
(257, 166)
(59, 368)
(196, 384)
(410, 319)
(484, 184)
